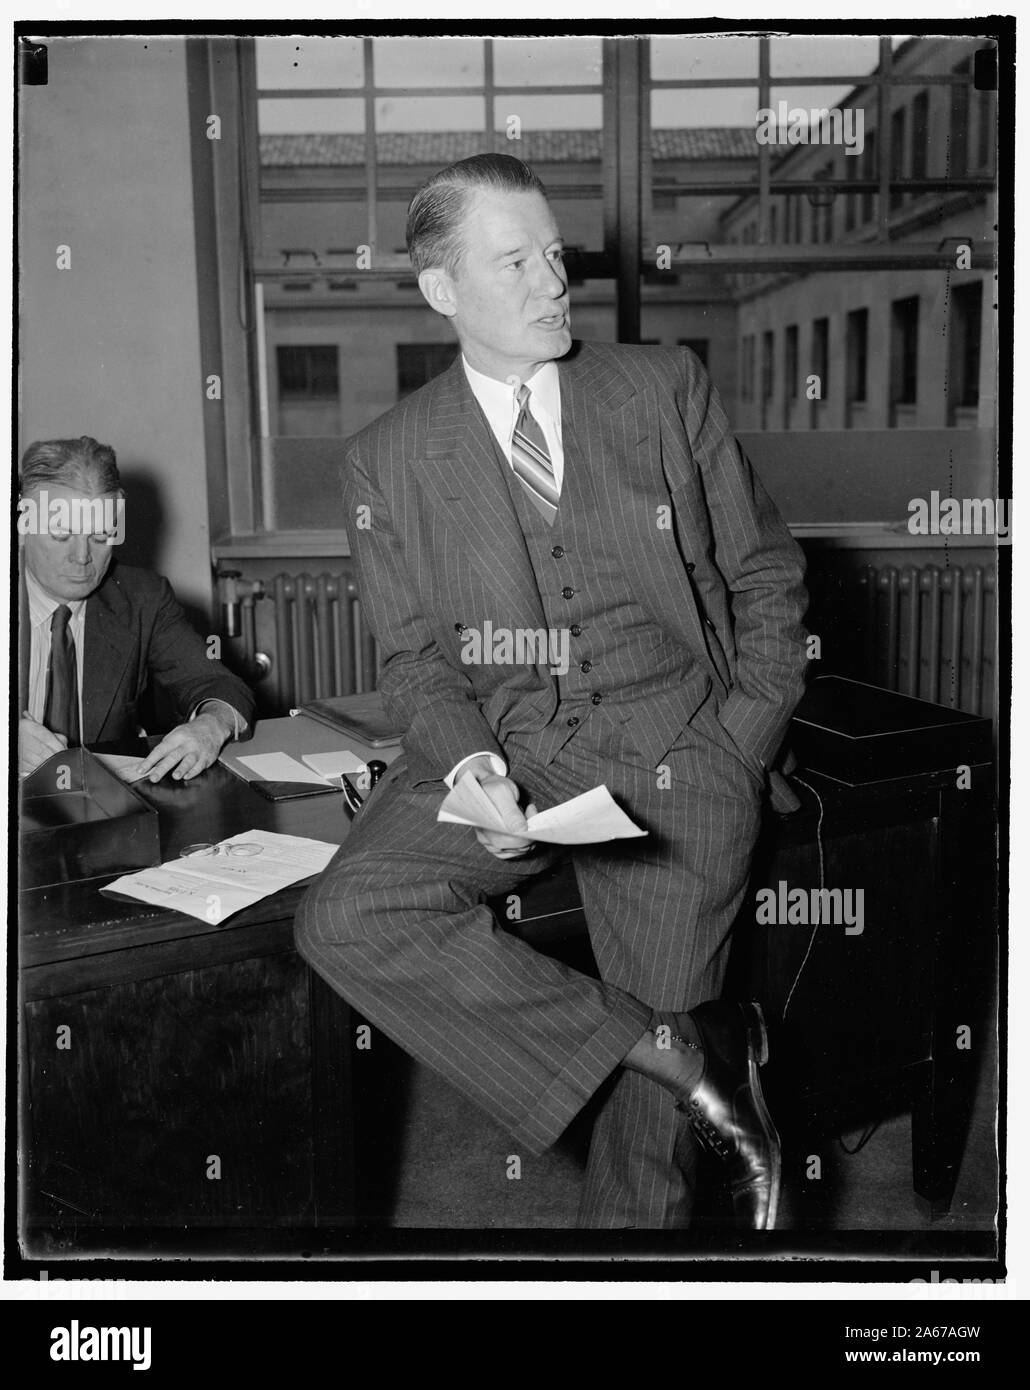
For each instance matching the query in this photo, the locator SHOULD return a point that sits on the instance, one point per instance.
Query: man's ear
(438, 291)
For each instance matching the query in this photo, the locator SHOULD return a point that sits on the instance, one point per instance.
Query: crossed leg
(397, 925)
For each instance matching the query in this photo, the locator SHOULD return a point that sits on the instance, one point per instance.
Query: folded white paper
(585, 820)
(316, 768)
(214, 886)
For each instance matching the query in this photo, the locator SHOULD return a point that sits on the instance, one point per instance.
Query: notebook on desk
(358, 716)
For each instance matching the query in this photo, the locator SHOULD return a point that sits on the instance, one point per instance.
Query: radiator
(932, 633)
(303, 637)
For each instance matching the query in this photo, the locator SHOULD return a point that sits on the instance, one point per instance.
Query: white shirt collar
(499, 403)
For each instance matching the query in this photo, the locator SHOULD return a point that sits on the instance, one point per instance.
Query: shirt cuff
(239, 724)
(499, 765)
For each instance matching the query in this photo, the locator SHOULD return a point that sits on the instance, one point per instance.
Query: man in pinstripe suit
(608, 503)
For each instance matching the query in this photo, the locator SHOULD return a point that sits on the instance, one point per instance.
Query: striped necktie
(532, 462)
(61, 711)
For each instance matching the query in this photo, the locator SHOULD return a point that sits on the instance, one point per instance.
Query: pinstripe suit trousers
(397, 925)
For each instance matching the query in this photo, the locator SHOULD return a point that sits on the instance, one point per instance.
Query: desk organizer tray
(78, 821)
(858, 733)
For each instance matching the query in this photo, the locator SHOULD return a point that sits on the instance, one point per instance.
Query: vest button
(575, 630)
(690, 567)
(596, 699)
(557, 552)
(573, 721)
(567, 592)
(586, 666)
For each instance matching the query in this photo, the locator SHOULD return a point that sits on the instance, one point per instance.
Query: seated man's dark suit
(681, 589)
(135, 635)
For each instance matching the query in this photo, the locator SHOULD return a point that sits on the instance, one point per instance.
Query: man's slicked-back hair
(82, 464)
(437, 211)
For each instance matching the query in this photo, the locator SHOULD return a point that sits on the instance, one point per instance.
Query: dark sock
(684, 1048)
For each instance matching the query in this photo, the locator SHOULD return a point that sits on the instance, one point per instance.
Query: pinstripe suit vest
(639, 680)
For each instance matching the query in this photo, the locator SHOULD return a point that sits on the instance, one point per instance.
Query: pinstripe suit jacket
(438, 546)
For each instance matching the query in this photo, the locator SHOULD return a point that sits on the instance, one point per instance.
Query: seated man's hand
(504, 793)
(188, 749)
(35, 744)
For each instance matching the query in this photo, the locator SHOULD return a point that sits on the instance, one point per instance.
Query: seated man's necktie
(532, 462)
(61, 711)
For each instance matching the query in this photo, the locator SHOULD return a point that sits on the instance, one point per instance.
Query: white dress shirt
(499, 402)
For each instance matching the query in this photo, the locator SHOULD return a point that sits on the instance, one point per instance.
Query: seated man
(94, 634)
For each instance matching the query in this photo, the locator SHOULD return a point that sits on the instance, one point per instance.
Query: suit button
(596, 699)
(572, 722)
(567, 592)
(575, 630)
(586, 666)
(557, 552)
(690, 567)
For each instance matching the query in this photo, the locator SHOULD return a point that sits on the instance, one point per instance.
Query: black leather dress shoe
(727, 1110)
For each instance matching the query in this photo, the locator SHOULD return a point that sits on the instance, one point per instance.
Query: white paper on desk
(212, 887)
(123, 765)
(585, 820)
(317, 768)
(332, 765)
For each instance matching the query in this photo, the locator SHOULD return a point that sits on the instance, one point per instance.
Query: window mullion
(488, 94)
(371, 161)
(764, 153)
(882, 119)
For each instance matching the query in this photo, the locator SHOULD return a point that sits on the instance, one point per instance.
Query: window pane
(675, 59)
(904, 365)
(547, 62)
(429, 113)
(313, 191)
(310, 116)
(964, 353)
(427, 62)
(705, 107)
(540, 115)
(305, 237)
(812, 56)
(306, 62)
(418, 363)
